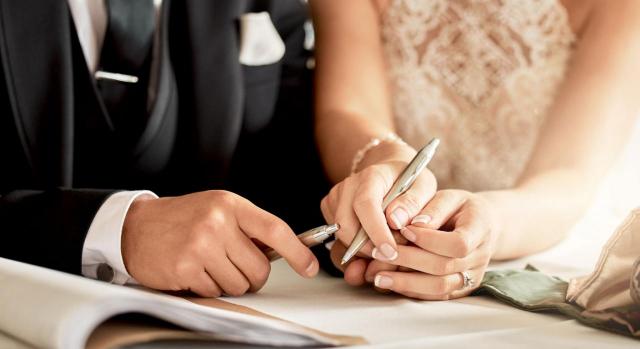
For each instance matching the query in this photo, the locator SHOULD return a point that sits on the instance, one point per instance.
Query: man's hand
(202, 242)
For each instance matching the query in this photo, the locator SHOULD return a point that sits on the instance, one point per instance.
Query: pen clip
(326, 231)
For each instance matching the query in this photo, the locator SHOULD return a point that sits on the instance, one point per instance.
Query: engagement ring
(467, 281)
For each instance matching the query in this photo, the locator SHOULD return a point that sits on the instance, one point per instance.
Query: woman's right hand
(357, 200)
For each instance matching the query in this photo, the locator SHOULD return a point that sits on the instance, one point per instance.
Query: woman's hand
(455, 233)
(354, 271)
(357, 200)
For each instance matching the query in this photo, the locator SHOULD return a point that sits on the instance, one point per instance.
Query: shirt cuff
(101, 253)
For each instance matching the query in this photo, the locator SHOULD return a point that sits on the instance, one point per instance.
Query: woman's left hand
(452, 239)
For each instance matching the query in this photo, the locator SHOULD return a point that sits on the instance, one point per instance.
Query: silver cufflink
(105, 273)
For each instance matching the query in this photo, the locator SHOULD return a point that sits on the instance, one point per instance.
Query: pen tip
(343, 262)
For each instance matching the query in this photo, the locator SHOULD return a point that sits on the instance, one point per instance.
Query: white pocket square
(260, 43)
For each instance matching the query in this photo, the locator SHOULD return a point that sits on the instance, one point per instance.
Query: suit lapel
(204, 50)
(36, 53)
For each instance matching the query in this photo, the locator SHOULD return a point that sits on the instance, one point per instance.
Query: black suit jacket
(247, 129)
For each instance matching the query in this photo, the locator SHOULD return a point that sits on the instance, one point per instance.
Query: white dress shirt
(101, 254)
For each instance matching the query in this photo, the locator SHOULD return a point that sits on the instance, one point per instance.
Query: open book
(45, 308)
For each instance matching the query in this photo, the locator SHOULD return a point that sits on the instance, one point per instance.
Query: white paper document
(49, 309)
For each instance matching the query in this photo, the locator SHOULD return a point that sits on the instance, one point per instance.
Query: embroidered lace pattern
(480, 75)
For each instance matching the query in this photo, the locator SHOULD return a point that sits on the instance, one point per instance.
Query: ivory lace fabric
(480, 75)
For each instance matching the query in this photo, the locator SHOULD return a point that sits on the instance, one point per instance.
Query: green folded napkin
(532, 290)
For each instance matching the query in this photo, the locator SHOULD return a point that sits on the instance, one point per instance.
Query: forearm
(352, 102)
(585, 130)
(539, 213)
(340, 135)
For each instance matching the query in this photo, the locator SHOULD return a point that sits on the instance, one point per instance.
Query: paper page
(340, 340)
(37, 304)
(8, 342)
(117, 334)
(52, 309)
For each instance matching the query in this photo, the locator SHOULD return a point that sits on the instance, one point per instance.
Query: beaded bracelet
(357, 159)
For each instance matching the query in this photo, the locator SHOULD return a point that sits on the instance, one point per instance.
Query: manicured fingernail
(312, 268)
(377, 255)
(421, 219)
(408, 234)
(399, 216)
(388, 251)
(383, 281)
(381, 256)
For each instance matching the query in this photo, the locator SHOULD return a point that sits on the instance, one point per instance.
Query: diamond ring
(467, 281)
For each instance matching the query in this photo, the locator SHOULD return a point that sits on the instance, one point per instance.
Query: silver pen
(309, 238)
(404, 182)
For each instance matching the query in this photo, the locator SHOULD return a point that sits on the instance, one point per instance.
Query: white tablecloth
(391, 321)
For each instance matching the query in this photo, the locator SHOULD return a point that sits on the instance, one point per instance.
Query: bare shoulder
(583, 13)
(621, 14)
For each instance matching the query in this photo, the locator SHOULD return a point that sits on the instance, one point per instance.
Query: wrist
(103, 244)
(130, 227)
(500, 204)
(390, 148)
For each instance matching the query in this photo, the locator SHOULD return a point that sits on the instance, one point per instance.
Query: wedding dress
(478, 74)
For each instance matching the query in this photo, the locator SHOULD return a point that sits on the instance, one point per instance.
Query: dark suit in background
(215, 124)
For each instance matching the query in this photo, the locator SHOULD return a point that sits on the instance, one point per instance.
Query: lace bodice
(480, 75)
